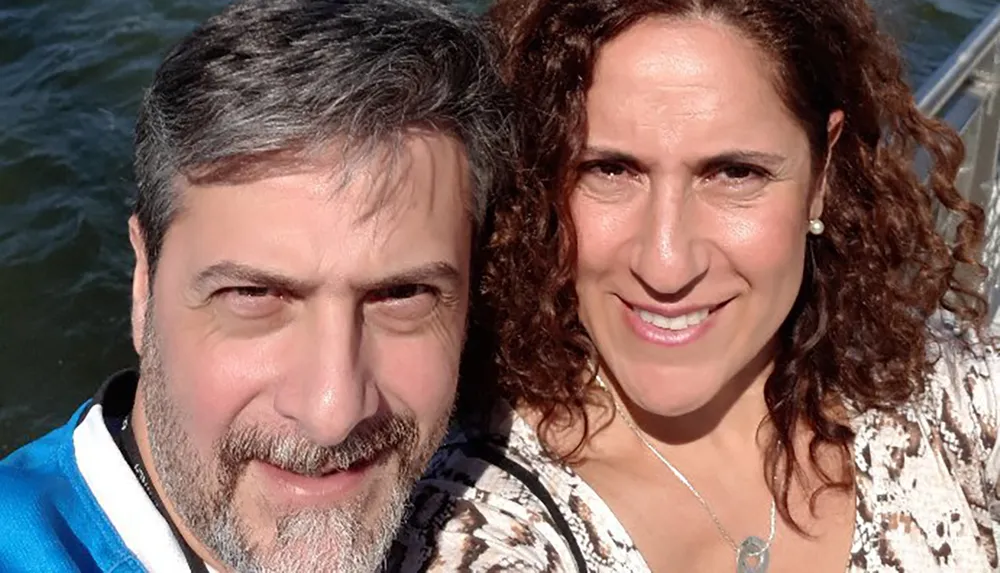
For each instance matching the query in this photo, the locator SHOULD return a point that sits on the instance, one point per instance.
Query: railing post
(985, 84)
(984, 170)
(965, 92)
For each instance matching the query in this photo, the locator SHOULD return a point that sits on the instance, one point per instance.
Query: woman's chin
(665, 402)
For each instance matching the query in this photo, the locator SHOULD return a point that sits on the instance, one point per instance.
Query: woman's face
(692, 211)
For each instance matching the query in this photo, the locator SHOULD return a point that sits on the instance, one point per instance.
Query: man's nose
(329, 389)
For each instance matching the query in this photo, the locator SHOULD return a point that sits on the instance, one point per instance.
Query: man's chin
(336, 522)
(344, 539)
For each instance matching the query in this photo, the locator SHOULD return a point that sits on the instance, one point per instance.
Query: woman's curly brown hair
(858, 330)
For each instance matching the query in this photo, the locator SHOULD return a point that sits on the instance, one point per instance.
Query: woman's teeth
(675, 323)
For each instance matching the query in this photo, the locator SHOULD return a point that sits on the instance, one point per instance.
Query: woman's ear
(834, 127)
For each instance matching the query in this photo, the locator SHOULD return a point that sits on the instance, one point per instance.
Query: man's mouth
(331, 483)
(333, 466)
(292, 467)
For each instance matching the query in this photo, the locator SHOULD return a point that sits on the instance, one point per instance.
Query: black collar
(116, 397)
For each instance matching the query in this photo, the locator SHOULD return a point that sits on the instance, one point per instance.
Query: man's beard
(352, 537)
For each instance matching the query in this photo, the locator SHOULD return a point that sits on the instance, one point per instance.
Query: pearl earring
(816, 226)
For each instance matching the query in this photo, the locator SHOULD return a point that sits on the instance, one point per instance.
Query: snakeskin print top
(926, 492)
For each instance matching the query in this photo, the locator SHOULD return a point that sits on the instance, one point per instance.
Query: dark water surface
(71, 72)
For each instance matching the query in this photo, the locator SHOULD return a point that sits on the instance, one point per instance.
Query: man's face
(300, 353)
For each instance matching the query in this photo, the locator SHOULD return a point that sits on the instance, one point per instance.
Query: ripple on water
(73, 72)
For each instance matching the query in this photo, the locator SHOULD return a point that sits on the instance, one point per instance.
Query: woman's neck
(730, 420)
(732, 423)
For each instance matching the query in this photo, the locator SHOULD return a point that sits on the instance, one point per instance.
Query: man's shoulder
(49, 520)
(38, 469)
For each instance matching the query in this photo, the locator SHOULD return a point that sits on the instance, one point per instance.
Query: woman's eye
(608, 180)
(740, 173)
(606, 168)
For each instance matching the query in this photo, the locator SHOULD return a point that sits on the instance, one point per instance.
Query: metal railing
(964, 91)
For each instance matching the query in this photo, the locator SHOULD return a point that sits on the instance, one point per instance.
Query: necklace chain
(619, 407)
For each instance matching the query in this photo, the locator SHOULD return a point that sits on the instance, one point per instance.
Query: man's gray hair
(267, 80)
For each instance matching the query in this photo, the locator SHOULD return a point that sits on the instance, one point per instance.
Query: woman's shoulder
(962, 391)
(956, 413)
(934, 460)
(475, 508)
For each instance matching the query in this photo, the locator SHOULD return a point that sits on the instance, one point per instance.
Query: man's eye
(250, 301)
(250, 291)
(401, 292)
(404, 303)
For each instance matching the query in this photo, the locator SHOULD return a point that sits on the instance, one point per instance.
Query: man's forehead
(412, 212)
(389, 175)
(419, 171)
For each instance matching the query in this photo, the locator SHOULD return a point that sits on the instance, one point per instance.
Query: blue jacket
(49, 518)
(71, 502)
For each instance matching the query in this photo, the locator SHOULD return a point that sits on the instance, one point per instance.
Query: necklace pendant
(753, 555)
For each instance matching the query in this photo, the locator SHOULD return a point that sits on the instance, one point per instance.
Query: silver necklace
(753, 554)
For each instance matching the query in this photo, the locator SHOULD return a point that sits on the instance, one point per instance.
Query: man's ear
(140, 283)
(834, 127)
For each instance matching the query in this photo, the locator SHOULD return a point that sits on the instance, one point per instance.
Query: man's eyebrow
(226, 272)
(434, 272)
(233, 272)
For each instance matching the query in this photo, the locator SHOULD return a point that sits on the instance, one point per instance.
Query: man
(310, 176)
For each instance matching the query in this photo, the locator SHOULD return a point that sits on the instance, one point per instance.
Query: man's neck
(140, 429)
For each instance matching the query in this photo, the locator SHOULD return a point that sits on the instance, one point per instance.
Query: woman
(729, 335)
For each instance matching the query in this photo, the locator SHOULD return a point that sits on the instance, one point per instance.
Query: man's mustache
(370, 439)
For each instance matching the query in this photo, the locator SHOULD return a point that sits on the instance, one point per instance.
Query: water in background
(71, 74)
